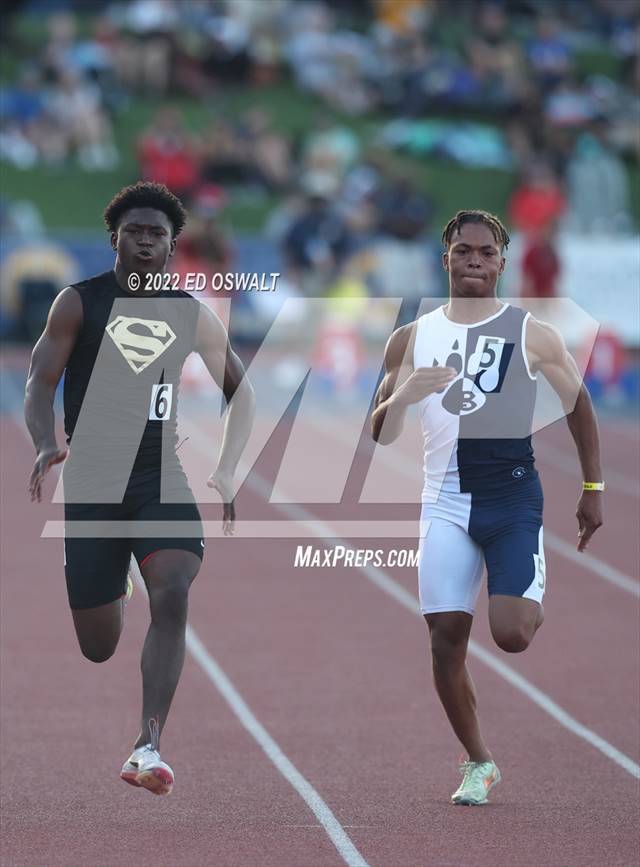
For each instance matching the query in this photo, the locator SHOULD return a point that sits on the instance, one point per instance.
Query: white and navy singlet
(482, 499)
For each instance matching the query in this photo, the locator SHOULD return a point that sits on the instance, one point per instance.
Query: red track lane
(67, 725)
(338, 673)
(619, 451)
(618, 542)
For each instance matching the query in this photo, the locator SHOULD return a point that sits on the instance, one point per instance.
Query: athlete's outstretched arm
(547, 352)
(48, 360)
(212, 344)
(402, 385)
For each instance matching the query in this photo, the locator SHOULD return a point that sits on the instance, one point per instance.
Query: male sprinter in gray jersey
(471, 367)
(122, 353)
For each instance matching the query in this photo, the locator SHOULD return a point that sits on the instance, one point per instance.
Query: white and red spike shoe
(478, 780)
(144, 768)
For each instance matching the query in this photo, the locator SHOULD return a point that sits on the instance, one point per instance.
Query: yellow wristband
(593, 486)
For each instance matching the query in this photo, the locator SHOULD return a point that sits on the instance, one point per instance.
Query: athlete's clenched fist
(423, 382)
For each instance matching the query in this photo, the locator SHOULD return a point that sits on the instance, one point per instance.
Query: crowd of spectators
(333, 199)
(565, 125)
(58, 107)
(515, 59)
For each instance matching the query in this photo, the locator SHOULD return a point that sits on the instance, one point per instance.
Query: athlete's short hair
(146, 194)
(490, 220)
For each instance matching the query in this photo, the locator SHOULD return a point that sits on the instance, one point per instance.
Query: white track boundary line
(396, 591)
(268, 745)
(274, 753)
(603, 570)
(334, 830)
(594, 564)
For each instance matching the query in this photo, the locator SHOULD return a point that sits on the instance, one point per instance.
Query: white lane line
(603, 570)
(599, 567)
(553, 709)
(271, 749)
(396, 591)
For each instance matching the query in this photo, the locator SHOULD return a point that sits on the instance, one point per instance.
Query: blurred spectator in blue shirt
(548, 52)
(318, 240)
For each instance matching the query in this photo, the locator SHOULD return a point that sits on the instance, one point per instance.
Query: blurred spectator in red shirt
(538, 202)
(541, 265)
(205, 247)
(167, 154)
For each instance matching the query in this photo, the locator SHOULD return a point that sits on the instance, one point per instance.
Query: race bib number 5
(161, 400)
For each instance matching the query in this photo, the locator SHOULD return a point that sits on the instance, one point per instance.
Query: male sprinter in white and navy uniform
(471, 367)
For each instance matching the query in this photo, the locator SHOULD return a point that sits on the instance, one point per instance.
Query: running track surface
(337, 672)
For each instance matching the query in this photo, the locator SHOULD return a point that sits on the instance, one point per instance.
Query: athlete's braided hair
(490, 220)
(146, 194)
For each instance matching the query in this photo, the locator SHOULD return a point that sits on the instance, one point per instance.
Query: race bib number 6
(161, 400)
